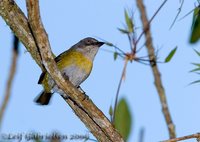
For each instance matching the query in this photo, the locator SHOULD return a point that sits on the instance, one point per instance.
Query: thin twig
(189, 12)
(179, 11)
(141, 62)
(112, 45)
(193, 136)
(149, 22)
(92, 117)
(131, 43)
(141, 134)
(118, 89)
(156, 73)
(114, 52)
(13, 66)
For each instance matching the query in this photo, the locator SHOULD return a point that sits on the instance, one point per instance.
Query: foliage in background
(194, 38)
(171, 54)
(123, 119)
(195, 33)
(196, 69)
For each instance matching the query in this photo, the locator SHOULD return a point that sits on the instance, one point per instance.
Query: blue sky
(68, 22)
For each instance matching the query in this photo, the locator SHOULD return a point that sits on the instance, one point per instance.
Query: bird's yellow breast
(74, 58)
(65, 62)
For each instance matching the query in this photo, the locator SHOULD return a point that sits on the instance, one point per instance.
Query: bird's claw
(86, 97)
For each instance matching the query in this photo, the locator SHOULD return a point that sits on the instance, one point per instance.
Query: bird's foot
(86, 97)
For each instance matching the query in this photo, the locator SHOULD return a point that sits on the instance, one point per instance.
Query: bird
(75, 64)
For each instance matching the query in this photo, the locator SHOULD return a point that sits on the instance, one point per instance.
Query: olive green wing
(57, 59)
(41, 77)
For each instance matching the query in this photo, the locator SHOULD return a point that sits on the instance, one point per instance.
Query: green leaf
(171, 54)
(111, 111)
(129, 22)
(195, 33)
(123, 31)
(115, 55)
(198, 53)
(123, 119)
(194, 82)
(196, 64)
(194, 70)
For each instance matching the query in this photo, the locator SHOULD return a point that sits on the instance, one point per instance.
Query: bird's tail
(43, 98)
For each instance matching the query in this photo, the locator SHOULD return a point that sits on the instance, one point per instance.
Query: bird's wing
(57, 59)
(41, 77)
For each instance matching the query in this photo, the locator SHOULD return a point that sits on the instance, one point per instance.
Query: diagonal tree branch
(156, 73)
(91, 116)
(17, 21)
(10, 78)
(193, 136)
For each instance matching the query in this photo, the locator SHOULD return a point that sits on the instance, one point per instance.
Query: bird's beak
(100, 43)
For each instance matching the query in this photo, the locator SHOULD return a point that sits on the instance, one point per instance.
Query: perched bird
(75, 64)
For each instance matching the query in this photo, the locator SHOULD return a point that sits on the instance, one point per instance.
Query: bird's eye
(88, 41)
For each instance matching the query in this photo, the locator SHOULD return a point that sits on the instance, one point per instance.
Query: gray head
(88, 46)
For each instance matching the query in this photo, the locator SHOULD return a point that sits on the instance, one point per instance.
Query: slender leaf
(195, 15)
(196, 69)
(196, 64)
(123, 119)
(198, 53)
(123, 31)
(129, 21)
(195, 34)
(194, 82)
(111, 110)
(171, 54)
(115, 55)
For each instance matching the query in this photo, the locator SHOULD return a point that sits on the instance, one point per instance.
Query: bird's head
(89, 47)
